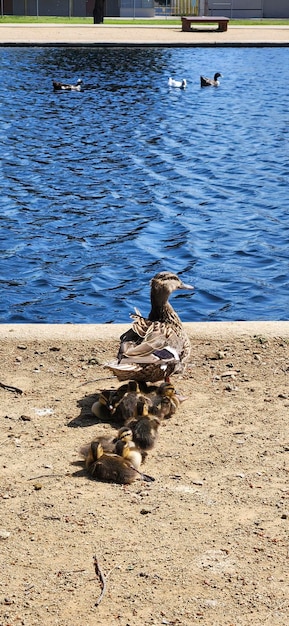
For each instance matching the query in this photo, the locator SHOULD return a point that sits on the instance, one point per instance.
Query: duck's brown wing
(149, 351)
(160, 343)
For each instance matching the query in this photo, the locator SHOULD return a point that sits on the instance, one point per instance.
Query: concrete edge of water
(106, 332)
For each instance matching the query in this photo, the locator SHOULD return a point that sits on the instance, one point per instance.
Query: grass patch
(172, 21)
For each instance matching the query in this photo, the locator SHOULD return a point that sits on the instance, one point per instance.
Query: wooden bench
(187, 20)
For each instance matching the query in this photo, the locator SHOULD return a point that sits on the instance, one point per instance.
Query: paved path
(93, 332)
(164, 35)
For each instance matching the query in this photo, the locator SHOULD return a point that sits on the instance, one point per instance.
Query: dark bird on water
(211, 82)
(57, 86)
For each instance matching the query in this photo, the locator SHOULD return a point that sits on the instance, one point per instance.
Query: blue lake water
(102, 189)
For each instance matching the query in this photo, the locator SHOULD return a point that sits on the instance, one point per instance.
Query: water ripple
(102, 189)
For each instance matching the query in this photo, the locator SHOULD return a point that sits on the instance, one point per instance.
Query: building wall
(277, 9)
(137, 8)
(145, 8)
(246, 9)
(50, 7)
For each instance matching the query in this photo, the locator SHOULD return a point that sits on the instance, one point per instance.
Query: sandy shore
(205, 543)
(166, 35)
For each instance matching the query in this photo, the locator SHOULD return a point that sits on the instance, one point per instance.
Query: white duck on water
(180, 84)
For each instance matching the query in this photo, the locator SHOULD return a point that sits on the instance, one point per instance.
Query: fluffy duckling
(129, 451)
(103, 407)
(181, 84)
(166, 401)
(57, 86)
(144, 428)
(109, 467)
(210, 82)
(108, 444)
(157, 346)
(127, 406)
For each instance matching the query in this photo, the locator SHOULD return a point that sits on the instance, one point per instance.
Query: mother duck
(157, 346)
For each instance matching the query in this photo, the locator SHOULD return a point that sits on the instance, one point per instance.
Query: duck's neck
(161, 310)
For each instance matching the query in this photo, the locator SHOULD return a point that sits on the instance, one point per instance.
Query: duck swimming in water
(210, 82)
(157, 346)
(57, 86)
(180, 84)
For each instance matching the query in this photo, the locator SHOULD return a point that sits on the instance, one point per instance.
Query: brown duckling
(127, 406)
(210, 82)
(133, 455)
(108, 444)
(109, 467)
(129, 451)
(166, 401)
(117, 394)
(107, 402)
(103, 407)
(144, 428)
(156, 346)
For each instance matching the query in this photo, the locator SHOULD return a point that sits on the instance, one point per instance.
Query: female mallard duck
(210, 82)
(157, 346)
(57, 86)
(181, 84)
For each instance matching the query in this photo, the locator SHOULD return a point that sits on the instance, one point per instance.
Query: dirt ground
(206, 543)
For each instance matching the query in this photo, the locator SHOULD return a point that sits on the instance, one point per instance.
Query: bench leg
(222, 26)
(186, 26)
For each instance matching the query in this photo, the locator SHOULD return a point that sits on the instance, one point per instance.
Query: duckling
(134, 456)
(127, 406)
(117, 394)
(57, 86)
(109, 467)
(181, 84)
(129, 451)
(108, 444)
(169, 406)
(211, 82)
(157, 346)
(103, 407)
(166, 401)
(144, 429)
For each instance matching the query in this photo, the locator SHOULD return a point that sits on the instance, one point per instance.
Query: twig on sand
(101, 578)
(11, 388)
